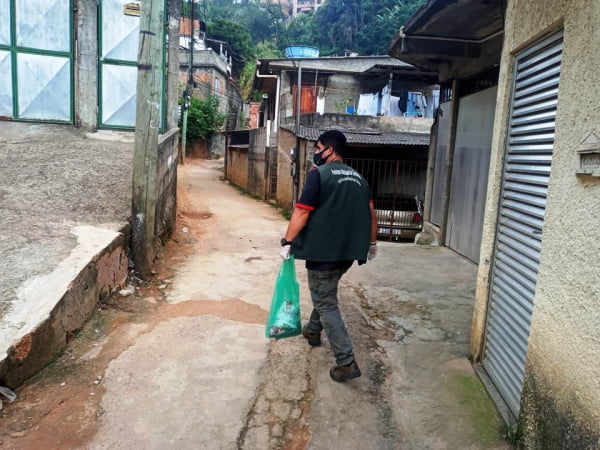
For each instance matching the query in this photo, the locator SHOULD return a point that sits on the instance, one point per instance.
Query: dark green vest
(339, 228)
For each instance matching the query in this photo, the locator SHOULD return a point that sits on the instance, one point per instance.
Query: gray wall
(166, 205)
(339, 89)
(257, 169)
(439, 170)
(470, 168)
(86, 70)
(248, 167)
(342, 87)
(406, 124)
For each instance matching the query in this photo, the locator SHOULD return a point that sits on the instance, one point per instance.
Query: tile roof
(363, 136)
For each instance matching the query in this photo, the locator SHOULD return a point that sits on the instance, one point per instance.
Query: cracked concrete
(281, 407)
(152, 402)
(220, 384)
(197, 372)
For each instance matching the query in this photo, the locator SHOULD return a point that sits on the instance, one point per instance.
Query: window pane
(44, 87)
(6, 99)
(4, 22)
(119, 85)
(43, 24)
(120, 33)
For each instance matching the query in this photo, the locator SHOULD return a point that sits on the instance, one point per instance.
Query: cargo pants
(323, 286)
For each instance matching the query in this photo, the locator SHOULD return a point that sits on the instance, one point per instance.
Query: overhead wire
(214, 91)
(192, 83)
(284, 30)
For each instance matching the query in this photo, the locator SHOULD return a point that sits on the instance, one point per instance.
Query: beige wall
(237, 167)
(257, 171)
(561, 397)
(287, 140)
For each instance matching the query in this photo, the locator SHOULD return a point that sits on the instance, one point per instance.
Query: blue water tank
(301, 51)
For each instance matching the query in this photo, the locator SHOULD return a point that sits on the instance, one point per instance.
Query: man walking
(333, 225)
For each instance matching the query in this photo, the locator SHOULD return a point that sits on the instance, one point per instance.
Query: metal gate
(271, 173)
(36, 60)
(470, 168)
(117, 63)
(397, 189)
(526, 173)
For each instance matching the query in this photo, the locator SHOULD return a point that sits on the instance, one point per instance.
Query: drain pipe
(296, 162)
(277, 89)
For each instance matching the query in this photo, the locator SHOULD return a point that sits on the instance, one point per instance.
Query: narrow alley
(183, 362)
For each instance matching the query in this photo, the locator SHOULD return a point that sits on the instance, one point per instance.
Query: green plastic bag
(284, 315)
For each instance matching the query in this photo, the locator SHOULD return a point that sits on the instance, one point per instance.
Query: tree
(215, 9)
(257, 21)
(300, 31)
(263, 50)
(388, 21)
(334, 22)
(204, 118)
(186, 9)
(236, 35)
(364, 26)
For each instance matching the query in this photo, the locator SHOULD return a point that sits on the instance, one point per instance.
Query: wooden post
(149, 82)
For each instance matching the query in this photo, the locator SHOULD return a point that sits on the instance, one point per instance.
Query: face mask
(318, 158)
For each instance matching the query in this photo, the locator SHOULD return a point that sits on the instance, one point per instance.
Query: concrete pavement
(64, 205)
(211, 380)
(184, 364)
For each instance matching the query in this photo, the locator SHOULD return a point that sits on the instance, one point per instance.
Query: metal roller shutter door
(526, 173)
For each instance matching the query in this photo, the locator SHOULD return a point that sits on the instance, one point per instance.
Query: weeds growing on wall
(285, 213)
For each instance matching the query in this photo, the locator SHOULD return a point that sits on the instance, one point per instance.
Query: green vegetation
(250, 28)
(261, 29)
(245, 192)
(511, 435)
(341, 105)
(261, 50)
(285, 213)
(363, 26)
(482, 415)
(301, 31)
(204, 118)
(223, 29)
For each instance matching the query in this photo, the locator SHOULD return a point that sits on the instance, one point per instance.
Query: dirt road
(183, 363)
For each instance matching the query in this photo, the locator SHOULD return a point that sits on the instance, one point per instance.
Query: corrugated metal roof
(356, 64)
(363, 136)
